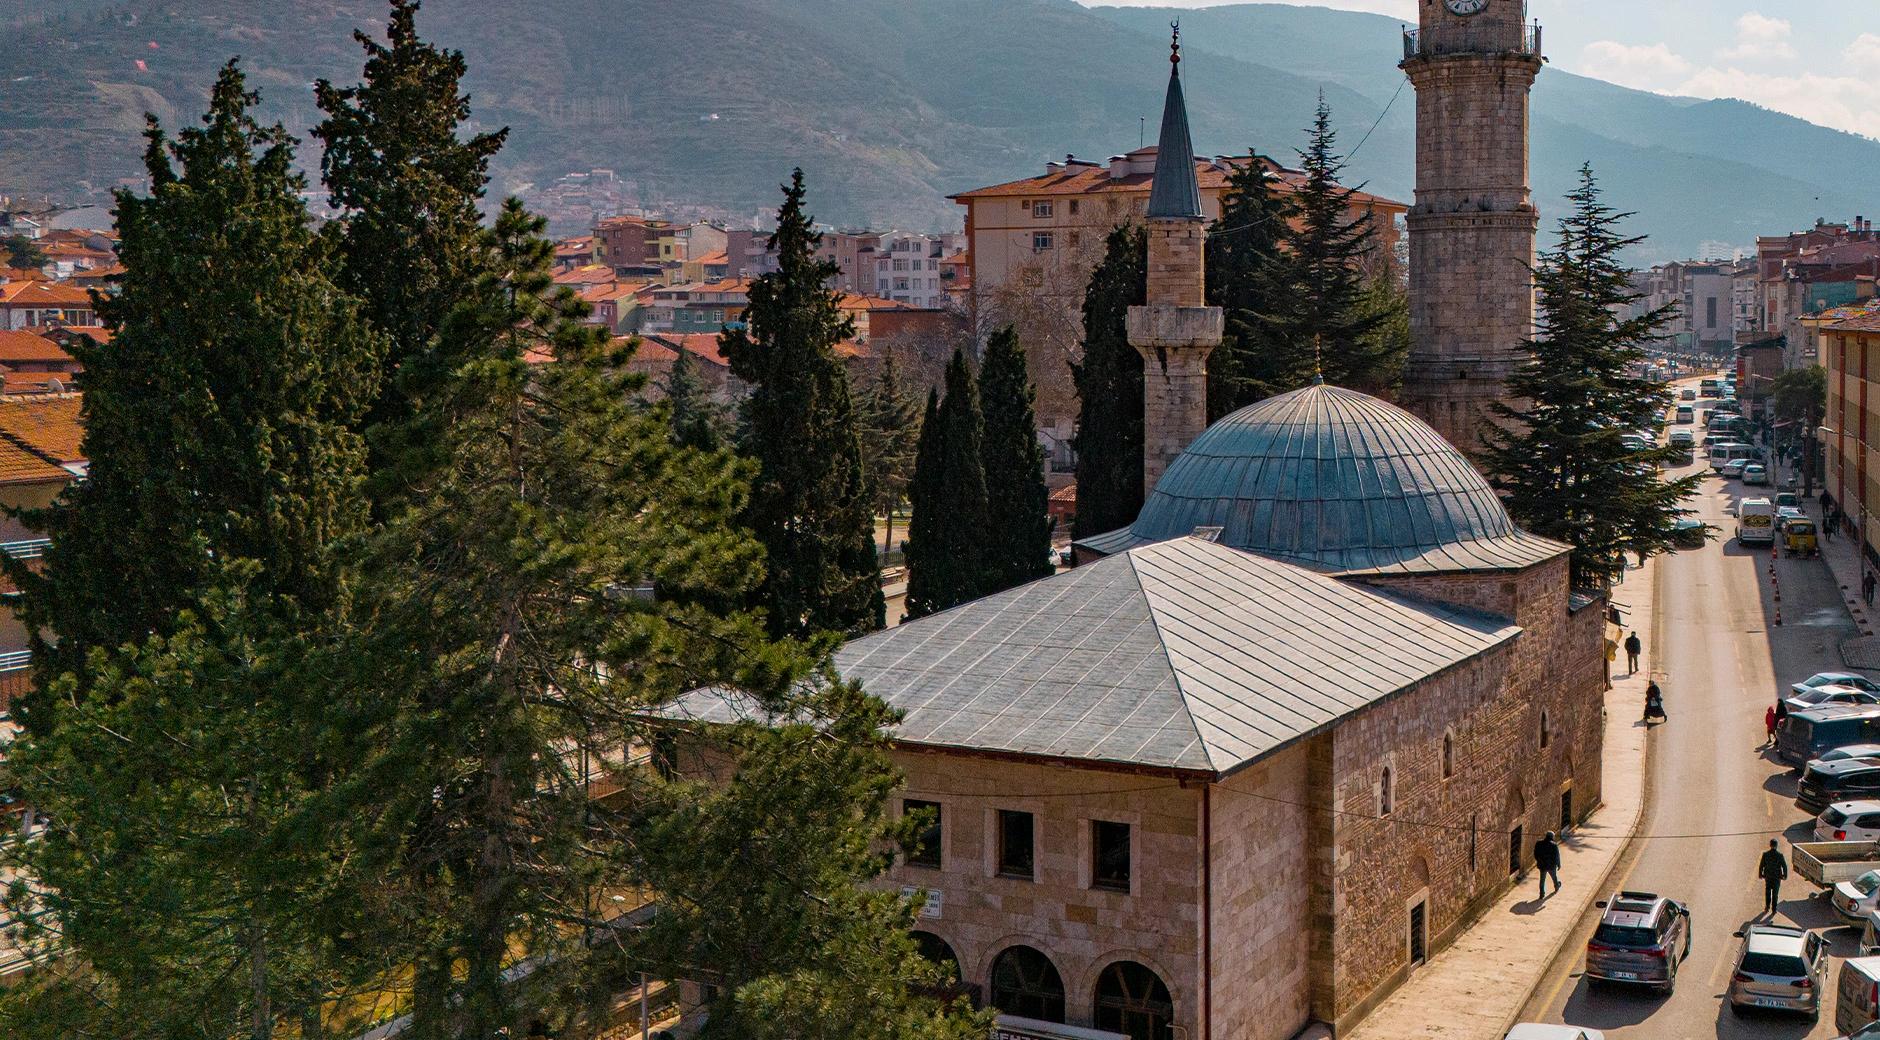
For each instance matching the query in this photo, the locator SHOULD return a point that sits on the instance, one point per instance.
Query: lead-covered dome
(1338, 480)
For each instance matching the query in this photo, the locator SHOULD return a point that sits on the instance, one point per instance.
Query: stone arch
(1083, 979)
(938, 950)
(1024, 981)
(1131, 998)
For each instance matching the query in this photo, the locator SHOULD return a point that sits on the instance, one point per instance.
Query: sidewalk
(1474, 989)
(1842, 555)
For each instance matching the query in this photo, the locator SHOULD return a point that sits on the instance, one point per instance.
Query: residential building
(1850, 433)
(615, 305)
(27, 304)
(40, 454)
(579, 251)
(1745, 284)
(1810, 271)
(853, 253)
(710, 267)
(748, 253)
(907, 267)
(631, 245)
(696, 306)
(1703, 298)
(29, 351)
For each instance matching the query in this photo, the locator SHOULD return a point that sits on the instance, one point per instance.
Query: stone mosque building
(1266, 750)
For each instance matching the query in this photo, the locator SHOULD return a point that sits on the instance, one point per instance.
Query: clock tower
(1472, 63)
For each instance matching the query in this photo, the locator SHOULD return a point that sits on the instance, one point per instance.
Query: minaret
(1473, 64)
(1174, 330)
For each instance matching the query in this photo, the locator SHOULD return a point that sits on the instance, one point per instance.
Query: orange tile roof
(19, 466)
(19, 345)
(51, 426)
(1094, 179)
(858, 302)
(586, 274)
(701, 345)
(714, 259)
(22, 274)
(76, 251)
(96, 333)
(43, 294)
(1864, 323)
(97, 274)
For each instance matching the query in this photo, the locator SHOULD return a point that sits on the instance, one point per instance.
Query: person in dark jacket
(1547, 862)
(1632, 649)
(1772, 869)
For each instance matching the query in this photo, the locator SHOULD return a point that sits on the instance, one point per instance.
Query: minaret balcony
(1473, 39)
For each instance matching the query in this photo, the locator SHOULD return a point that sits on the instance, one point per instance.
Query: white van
(1756, 522)
(1857, 1000)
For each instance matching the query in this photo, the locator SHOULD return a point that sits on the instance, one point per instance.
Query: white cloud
(1405, 9)
(1864, 52)
(1646, 67)
(1843, 102)
(1760, 38)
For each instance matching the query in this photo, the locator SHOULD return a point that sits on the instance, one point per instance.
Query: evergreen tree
(1109, 387)
(811, 505)
(409, 187)
(22, 252)
(947, 551)
(890, 421)
(1326, 249)
(180, 740)
(503, 676)
(1247, 277)
(217, 431)
(696, 420)
(1560, 459)
(1017, 535)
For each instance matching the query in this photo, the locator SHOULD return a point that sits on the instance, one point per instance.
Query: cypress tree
(1109, 389)
(811, 505)
(409, 187)
(182, 741)
(1326, 250)
(1560, 459)
(890, 420)
(947, 556)
(1247, 277)
(696, 420)
(1017, 535)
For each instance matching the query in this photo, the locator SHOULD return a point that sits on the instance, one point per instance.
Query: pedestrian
(1654, 701)
(1547, 862)
(1632, 649)
(1867, 583)
(1827, 527)
(1782, 711)
(1769, 724)
(1772, 869)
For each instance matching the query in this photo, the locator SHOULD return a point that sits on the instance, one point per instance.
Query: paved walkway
(1474, 989)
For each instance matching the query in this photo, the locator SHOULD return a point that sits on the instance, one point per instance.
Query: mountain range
(891, 105)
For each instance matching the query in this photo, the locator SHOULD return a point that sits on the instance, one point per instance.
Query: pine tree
(409, 237)
(696, 420)
(947, 551)
(890, 421)
(811, 505)
(22, 252)
(1017, 535)
(1561, 460)
(504, 675)
(1327, 250)
(180, 740)
(1109, 387)
(1247, 277)
(216, 431)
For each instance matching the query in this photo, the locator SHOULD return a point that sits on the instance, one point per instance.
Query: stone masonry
(1174, 332)
(1472, 228)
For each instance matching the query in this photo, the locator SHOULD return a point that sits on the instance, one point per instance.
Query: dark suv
(1824, 783)
(1641, 940)
(1804, 735)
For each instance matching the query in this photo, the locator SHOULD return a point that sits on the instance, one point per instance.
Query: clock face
(1466, 8)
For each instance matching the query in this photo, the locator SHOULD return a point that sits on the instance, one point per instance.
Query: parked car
(1733, 469)
(1854, 679)
(1805, 735)
(1641, 939)
(1849, 821)
(1779, 968)
(1755, 473)
(1687, 394)
(1823, 696)
(1842, 754)
(1536, 1031)
(1857, 997)
(1824, 784)
(1853, 899)
(1689, 533)
(1788, 500)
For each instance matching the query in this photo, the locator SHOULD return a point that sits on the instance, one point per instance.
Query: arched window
(938, 951)
(1131, 1000)
(1449, 755)
(1545, 736)
(1026, 984)
(1384, 793)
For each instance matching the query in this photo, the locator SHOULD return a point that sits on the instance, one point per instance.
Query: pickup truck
(1829, 862)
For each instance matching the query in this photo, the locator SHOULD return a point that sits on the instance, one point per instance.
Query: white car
(1822, 696)
(1853, 899)
(1849, 821)
(1532, 1031)
(1857, 681)
(1732, 469)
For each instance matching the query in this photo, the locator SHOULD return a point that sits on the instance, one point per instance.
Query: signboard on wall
(931, 907)
(1012, 1027)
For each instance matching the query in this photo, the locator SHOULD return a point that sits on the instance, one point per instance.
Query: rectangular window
(900, 265)
(1073, 207)
(1109, 855)
(924, 849)
(1041, 209)
(1040, 241)
(1015, 848)
(1710, 313)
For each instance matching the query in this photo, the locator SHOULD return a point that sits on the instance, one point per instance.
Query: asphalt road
(1713, 797)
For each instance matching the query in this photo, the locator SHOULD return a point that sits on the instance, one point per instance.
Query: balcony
(15, 660)
(27, 549)
(1485, 39)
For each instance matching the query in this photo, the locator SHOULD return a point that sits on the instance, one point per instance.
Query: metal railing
(26, 549)
(1485, 39)
(14, 660)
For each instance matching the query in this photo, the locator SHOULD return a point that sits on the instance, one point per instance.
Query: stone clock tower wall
(1472, 228)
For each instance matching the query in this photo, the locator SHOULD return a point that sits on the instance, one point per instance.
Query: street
(1714, 797)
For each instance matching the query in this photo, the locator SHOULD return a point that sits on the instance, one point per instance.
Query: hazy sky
(1818, 59)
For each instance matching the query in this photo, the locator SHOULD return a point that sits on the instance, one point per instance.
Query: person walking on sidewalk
(1772, 869)
(1632, 649)
(1769, 724)
(1547, 862)
(1867, 584)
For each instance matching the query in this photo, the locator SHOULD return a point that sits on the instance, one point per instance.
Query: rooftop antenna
(1142, 131)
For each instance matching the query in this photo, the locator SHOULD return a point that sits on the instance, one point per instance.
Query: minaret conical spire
(1174, 194)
